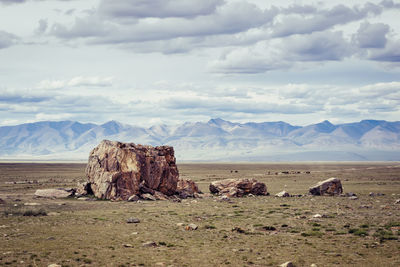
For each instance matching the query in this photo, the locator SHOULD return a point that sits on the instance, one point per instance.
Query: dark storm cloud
(372, 35)
(158, 8)
(7, 39)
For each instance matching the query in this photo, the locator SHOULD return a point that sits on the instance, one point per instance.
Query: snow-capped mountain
(216, 139)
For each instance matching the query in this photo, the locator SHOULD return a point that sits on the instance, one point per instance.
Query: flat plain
(250, 231)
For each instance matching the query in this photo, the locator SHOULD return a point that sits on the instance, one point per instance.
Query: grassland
(252, 231)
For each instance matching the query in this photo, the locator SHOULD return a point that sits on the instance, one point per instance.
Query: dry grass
(267, 231)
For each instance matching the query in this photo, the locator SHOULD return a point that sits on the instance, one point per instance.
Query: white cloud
(7, 39)
(372, 35)
(158, 8)
(79, 81)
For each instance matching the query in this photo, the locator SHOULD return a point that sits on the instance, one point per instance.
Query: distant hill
(215, 140)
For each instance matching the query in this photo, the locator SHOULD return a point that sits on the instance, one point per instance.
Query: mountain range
(215, 140)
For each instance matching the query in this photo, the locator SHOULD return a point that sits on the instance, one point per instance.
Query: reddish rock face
(118, 170)
(238, 188)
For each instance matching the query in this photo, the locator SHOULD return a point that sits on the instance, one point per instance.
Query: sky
(148, 62)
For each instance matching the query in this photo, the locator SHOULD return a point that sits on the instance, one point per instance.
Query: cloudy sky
(147, 62)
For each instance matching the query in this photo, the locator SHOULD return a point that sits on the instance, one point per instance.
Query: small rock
(2, 201)
(160, 264)
(283, 194)
(83, 198)
(313, 265)
(191, 227)
(224, 198)
(365, 206)
(317, 216)
(350, 194)
(287, 264)
(133, 220)
(32, 204)
(179, 224)
(397, 201)
(148, 196)
(54, 265)
(372, 194)
(133, 198)
(149, 244)
(353, 198)
(128, 245)
(134, 233)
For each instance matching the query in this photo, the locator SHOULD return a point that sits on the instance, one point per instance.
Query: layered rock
(238, 188)
(126, 171)
(331, 187)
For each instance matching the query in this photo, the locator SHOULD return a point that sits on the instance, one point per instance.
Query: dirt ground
(251, 231)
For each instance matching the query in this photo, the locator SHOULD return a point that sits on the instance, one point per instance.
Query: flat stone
(148, 196)
(287, 264)
(133, 220)
(128, 245)
(191, 227)
(32, 204)
(133, 198)
(54, 193)
(149, 244)
(282, 194)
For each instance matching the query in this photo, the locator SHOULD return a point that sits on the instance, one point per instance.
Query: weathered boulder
(238, 188)
(54, 193)
(187, 188)
(331, 186)
(118, 170)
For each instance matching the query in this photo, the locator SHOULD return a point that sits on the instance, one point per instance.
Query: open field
(267, 231)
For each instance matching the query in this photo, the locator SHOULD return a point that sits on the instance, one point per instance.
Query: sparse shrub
(312, 233)
(392, 224)
(384, 235)
(40, 212)
(358, 232)
(87, 261)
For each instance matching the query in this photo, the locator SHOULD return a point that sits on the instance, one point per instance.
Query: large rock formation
(118, 170)
(331, 187)
(238, 188)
